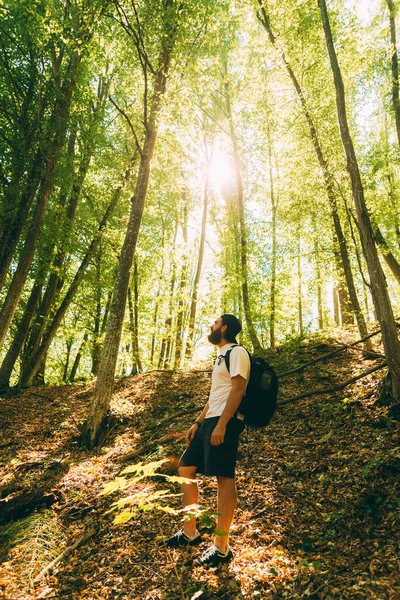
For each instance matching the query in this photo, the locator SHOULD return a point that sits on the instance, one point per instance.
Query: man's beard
(215, 336)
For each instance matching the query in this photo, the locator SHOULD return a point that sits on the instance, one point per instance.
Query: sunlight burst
(220, 170)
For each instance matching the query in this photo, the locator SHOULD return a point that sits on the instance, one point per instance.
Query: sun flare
(220, 169)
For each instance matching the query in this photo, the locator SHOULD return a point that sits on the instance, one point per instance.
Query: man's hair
(233, 327)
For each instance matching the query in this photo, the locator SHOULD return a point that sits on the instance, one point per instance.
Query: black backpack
(259, 403)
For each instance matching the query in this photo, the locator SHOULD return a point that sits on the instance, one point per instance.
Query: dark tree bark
(379, 289)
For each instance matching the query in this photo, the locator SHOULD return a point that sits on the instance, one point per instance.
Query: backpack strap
(228, 355)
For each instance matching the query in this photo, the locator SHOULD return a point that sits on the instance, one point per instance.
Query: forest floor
(319, 503)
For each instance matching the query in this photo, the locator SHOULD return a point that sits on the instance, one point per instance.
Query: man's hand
(191, 433)
(218, 435)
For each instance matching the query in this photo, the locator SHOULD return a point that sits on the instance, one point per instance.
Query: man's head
(225, 328)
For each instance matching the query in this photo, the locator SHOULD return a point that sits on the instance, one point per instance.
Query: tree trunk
(299, 286)
(66, 366)
(329, 184)
(28, 251)
(379, 290)
(19, 339)
(395, 66)
(96, 345)
(105, 381)
(242, 225)
(166, 341)
(387, 254)
(199, 266)
(336, 308)
(182, 287)
(134, 317)
(78, 357)
(272, 314)
(51, 330)
(319, 283)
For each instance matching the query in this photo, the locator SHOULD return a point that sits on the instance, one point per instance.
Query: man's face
(215, 336)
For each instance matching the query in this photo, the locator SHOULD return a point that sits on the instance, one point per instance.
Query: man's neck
(224, 342)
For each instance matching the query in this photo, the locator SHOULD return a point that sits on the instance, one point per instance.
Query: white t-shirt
(221, 384)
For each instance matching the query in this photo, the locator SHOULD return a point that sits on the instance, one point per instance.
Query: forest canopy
(165, 162)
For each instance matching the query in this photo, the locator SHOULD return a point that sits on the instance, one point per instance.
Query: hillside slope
(318, 513)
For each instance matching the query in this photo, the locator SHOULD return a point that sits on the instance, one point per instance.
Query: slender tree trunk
(96, 346)
(19, 339)
(318, 281)
(199, 266)
(78, 357)
(329, 184)
(105, 381)
(166, 341)
(336, 312)
(182, 287)
(28, 251)
(242, 225)
(66, 365)
(387, 254)
(134, 317)
(12, 232)
(34, 363)
(274, 207)
(379, 290)
(395, 66)
(299, 287)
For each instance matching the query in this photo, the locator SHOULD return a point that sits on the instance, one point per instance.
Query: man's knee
(226, 481)
(188, 472)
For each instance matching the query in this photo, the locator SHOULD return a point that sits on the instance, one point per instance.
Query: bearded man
(212, 442)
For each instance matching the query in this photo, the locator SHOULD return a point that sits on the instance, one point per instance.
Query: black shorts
(214, 460)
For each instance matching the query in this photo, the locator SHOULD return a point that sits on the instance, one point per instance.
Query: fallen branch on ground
(87, 535)
(182, 413)
(336, 388)
(324, 356)
(165, 439)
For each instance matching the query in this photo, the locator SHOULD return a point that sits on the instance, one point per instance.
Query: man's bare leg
(190, 496)
(226, 507)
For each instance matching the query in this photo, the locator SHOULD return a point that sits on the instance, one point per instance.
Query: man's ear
(224, 329)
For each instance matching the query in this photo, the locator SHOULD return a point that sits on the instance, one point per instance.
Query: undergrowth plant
(36, 540)
(145, 498)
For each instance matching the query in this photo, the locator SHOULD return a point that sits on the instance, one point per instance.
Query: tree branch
(123, 113)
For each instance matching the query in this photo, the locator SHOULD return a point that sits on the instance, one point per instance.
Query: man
(212, 442)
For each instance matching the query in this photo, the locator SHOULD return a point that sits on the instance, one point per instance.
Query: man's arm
(194, 428)
(233, 402)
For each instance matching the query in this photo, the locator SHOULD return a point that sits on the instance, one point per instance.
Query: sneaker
(214, 557)
(181, 539)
